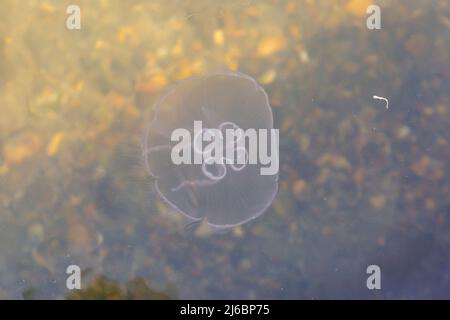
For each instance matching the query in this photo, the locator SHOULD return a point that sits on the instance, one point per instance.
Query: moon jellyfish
(217, 176)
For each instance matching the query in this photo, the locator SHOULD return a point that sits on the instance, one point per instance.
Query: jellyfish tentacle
(191, 226)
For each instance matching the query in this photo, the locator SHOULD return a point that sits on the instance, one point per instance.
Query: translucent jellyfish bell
(222, 194)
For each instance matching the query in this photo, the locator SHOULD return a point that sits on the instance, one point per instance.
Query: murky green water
(360, 184)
